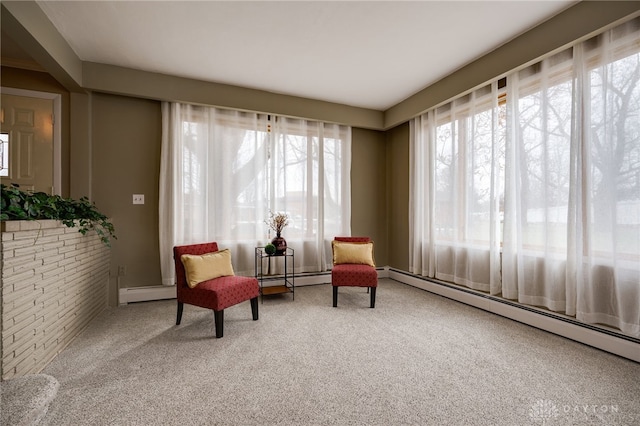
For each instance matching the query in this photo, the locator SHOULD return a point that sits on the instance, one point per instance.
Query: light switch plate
(138, 198)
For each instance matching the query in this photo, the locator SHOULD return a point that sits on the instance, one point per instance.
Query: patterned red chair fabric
(354, 275)
(216, 294)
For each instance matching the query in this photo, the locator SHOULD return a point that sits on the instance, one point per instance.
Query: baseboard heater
(601, 338)
(146, 293)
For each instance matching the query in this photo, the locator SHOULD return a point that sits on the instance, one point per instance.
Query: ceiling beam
(31, 30)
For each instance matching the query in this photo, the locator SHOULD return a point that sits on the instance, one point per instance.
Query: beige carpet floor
(416, 359)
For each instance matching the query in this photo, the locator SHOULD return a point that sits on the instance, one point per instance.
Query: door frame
(57, 128)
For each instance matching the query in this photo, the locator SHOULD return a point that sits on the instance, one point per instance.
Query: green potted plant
(16, 204)
(270, 249)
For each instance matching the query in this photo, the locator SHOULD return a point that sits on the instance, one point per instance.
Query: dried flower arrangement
(277, 221)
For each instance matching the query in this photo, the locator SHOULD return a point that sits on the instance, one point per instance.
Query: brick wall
(54, 282)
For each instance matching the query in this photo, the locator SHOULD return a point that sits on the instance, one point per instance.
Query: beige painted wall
(397, 151)
(368, 189)
(142, 84)
(126, 134)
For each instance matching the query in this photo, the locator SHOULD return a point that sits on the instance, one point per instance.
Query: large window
(224, 171)
(532, 192)
(464, 144)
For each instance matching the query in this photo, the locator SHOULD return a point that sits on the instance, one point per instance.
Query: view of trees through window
(266, 168)
(469, 139)
(528, 188)
(470, 156)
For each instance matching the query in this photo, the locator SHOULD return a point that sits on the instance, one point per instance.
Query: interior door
(27, 125)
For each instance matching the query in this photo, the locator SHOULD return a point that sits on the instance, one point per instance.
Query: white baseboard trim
(570, 329)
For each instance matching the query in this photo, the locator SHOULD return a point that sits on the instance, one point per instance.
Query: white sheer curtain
(455, 191)
(538, 182)
(222, 171)
(564, 173)
(607, 218)
(572, 220)
(213, 183)
(310, 173)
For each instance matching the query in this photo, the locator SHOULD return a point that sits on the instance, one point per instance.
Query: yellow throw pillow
(360, 253)
(208, 266)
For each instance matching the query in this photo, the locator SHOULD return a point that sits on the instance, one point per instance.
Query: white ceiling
(359, 53)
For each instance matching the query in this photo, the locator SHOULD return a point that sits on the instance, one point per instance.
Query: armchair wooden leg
(335, 296)
(179, 315)
(373, 297)
(219, 320)
(254, 308)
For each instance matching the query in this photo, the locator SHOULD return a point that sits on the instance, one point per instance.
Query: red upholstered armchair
(353, 265)
(218, 293)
